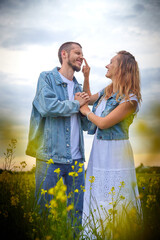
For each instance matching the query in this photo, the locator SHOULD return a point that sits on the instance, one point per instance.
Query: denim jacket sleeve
(84, 122)
(47, 102)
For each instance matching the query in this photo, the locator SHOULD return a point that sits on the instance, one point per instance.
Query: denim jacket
(49, 134)
(118, 131)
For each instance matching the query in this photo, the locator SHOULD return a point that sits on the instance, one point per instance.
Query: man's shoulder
(50, 72)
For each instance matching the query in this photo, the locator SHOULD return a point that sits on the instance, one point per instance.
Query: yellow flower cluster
(92, 178)
(14, 200)
(59, 190)
(150, 200)
(70, 207)
(75, 174)
(83, 188)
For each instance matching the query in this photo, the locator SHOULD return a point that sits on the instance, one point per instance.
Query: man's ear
(64, 54)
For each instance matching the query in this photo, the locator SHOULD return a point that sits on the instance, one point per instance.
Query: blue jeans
(46, 180)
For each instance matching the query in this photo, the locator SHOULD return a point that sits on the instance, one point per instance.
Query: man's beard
(75, 68)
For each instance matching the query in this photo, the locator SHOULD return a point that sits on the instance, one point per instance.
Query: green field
(19, 216)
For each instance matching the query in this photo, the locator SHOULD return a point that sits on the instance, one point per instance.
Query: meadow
(20, 217)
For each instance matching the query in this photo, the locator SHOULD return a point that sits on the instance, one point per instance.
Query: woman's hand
(82, 97)
(85, 109)
(86, 69)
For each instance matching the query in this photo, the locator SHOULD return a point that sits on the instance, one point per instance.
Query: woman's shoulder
(132, 97)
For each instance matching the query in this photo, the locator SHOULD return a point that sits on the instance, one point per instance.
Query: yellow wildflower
(14, 200)
(70, 194)
(54, 212)
(75, 163)
(57, 170)
(43, 191)
(50, 161)
(112, 189)
(53, 203)
(61, 196)
(47, 205)
(64, 188)
(122, 184)
(70, 207)
(51, 191)
(92, 178)
(72, 167)
(122, 197)
(73, 174)
(48, 237)
(76, 190)
(81, 164)
(80, 170)
(83, 188)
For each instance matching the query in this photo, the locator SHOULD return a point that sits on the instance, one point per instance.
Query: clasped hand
(83, 99)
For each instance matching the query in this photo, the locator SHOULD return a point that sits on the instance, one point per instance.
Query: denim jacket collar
(58, 78)
(114, 95)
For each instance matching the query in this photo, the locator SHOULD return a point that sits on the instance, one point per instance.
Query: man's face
(75, 58)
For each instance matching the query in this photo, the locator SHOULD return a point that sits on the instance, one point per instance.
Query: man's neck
(67, 73)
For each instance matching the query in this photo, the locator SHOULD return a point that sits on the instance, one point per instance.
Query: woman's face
(112, 67)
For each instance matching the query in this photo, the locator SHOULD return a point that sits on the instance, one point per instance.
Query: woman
(111, 160)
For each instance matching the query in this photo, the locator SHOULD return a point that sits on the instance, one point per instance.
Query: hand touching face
(86, 69)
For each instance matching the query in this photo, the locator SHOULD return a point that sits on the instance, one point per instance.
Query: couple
(59, 115)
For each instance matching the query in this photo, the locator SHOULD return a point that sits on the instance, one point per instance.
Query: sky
(33, 30)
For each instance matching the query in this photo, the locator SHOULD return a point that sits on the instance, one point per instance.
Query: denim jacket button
(67, 129)
(67, 145)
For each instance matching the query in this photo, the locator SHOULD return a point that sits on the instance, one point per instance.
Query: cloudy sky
(32, 31)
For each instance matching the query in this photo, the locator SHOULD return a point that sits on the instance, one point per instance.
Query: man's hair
(67, 46)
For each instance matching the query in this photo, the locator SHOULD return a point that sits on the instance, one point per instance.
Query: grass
(19, 216)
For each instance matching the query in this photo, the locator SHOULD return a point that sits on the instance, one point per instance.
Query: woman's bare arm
(117, 115)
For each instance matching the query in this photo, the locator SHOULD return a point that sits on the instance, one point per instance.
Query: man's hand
(82, 98)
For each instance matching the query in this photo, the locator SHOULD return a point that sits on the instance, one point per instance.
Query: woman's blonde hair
(127, 79)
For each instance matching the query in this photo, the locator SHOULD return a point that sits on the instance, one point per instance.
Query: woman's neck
(115, 89)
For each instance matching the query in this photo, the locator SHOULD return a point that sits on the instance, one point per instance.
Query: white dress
(112, 164)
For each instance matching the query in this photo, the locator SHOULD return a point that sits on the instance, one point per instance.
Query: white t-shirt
(74, 139)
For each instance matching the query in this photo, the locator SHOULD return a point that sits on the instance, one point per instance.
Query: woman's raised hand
(86, 69)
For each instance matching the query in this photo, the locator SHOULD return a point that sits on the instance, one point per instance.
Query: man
(56, 126)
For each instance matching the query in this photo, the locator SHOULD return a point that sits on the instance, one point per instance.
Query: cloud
(25, 23)
(18, 38)
(150, 87)
(148, 15)
(15, 98)
(139, 8)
